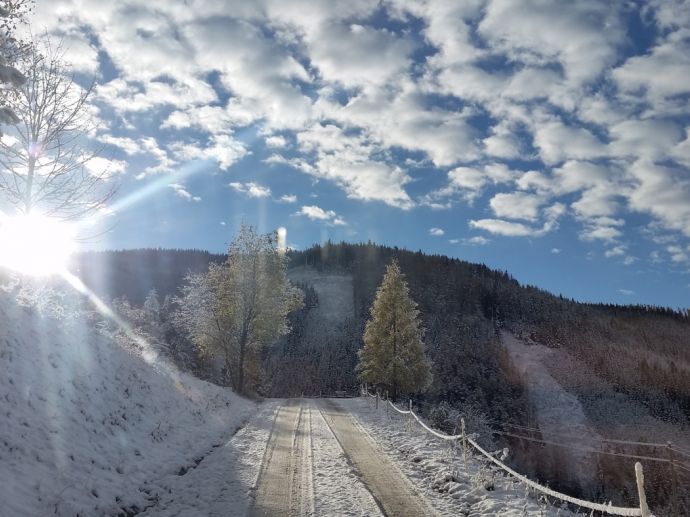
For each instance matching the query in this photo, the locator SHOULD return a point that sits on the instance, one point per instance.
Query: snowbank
(88, 426)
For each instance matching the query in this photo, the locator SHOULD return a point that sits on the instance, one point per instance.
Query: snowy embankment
(89, 427)
(436, 468)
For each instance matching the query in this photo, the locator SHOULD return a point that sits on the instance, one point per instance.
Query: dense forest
(641, 352)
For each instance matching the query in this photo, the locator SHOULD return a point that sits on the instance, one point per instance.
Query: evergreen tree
(393, 353)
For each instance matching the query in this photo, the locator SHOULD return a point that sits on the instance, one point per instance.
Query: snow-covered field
(90, 427)
(437, 469)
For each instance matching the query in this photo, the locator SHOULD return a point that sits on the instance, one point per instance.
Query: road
(285, 485)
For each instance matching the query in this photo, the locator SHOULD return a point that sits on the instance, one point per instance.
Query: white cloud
(518, 205)
(664, 192)
(580, 36)
(222, 148)
(99, 166)
(316, 213)
(555, 251)
(505, 228)
(436, 232)
(182, 192)
(251, 189)
(551, 215)
(615, 251)
(603, 233)
(602, 133)
(476, 241)
(288, 198)
(128, 145)
(658, 73)
(626, 292)
(276, 142)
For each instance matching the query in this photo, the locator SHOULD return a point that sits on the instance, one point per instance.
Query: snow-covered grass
(437, 470)
(89, 427)
(221, 484)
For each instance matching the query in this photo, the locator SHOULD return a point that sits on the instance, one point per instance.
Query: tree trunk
(28, 195)
(240, 369)
(395, 351)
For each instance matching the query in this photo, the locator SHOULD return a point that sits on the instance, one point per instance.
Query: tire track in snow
(392, 491)
(284, 483)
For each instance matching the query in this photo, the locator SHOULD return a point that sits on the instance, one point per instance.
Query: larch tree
(47, 165)
(393, 353)
(241, 305)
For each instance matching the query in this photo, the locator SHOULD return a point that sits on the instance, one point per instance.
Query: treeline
(644, 351)
(132, 274)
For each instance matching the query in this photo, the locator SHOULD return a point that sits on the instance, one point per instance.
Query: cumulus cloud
(352, 94)
(505, 228)
(251, 189)
(436, 232)
(182, 192)
(316, 213)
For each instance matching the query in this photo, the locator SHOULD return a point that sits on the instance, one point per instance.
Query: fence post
(464, 443)
(674, 481)
(387, 404)
(639, 477)
(377, 399)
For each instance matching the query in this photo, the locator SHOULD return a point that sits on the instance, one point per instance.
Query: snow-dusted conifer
(393, 353)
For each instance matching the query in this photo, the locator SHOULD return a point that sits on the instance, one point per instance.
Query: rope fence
(641, 511)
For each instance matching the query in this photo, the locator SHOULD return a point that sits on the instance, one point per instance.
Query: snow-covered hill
(335, 300)
(88, 426)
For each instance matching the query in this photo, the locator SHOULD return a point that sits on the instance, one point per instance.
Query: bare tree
(46, 164)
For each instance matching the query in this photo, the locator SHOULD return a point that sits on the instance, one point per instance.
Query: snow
(336, 299)
(223, 480)
(436, 468)
(90, 427)
(337, 489)
(557, 411)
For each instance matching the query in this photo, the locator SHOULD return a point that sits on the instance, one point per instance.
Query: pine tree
(393, 352)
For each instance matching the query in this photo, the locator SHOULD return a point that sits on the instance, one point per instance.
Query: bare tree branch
(45, 162)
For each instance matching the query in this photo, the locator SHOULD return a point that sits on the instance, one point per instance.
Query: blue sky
(550, 139)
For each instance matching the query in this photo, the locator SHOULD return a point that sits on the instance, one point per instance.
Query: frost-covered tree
(241, 305)
(152, 306)
(46, 164)
(393, 353)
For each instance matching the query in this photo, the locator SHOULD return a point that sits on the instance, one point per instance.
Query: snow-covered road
(353, 476)
(340, 457)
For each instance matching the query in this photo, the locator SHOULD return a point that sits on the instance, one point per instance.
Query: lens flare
(282, 238)
(35, 245)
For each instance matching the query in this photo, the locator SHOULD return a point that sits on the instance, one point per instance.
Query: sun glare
(35, 245)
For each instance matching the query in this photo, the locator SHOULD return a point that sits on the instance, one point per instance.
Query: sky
(550, 139)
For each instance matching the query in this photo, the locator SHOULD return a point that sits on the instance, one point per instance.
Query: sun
(35, 245)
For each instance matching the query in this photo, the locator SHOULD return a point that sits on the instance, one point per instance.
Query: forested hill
(643, 351)
(133, 273)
